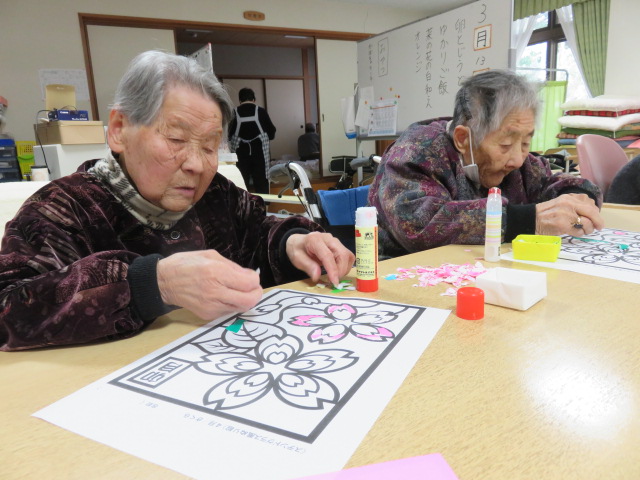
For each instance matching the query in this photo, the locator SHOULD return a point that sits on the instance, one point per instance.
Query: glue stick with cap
(366, 249)
(493, 230)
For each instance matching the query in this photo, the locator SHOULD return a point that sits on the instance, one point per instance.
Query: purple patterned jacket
(424, 199)
(67, 258)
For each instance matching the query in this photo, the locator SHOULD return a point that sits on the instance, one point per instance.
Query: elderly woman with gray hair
(101, 253)
(432, 183)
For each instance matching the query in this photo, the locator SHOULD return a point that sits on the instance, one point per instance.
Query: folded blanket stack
(613, 116)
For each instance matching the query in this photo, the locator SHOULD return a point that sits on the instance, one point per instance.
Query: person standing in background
(249, 135)
(309, 143)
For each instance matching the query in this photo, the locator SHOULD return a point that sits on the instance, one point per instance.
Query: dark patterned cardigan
(75, 266)
(424, 199)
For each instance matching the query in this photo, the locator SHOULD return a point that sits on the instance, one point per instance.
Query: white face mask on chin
(471, 171)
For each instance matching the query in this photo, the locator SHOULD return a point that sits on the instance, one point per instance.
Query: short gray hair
(150, 75)
(484, 101)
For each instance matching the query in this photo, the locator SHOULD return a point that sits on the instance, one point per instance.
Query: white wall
(112, 48)
(623, 68)
(38, 34)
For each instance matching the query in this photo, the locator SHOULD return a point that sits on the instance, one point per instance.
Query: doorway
(284, 101)
(238, 35)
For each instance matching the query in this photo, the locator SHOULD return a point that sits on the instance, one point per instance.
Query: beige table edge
(499, 398)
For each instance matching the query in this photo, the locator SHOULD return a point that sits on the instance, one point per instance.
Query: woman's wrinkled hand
(315, 250)
(207, 284)
(570, 214)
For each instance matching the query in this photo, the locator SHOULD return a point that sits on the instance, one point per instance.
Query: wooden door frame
(87, 19)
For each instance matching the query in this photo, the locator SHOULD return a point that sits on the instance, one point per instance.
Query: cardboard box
(69, 132)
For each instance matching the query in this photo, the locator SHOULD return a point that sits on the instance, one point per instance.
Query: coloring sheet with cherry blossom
(608, 253)
(286, 390)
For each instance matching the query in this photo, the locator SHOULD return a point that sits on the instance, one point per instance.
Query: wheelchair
(333, 209)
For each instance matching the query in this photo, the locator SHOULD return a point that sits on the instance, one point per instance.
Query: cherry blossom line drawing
(288, 366)
(607, 248)
(277, 365)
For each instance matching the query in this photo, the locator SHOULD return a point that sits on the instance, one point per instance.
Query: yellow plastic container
(26, 162)
(24, 148)
(539, 248)
(24, 151)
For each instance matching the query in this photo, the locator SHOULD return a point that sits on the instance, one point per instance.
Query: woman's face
(505, 149)
(173, 160)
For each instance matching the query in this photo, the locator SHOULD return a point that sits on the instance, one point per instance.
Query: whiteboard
(419, 67)
(204, 57)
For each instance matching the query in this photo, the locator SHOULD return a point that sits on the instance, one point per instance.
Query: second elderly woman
(432, 183)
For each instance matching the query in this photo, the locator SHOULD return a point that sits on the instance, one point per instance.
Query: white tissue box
(506, 287)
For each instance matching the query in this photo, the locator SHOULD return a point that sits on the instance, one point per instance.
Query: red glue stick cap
(367, 285)
(470, 304)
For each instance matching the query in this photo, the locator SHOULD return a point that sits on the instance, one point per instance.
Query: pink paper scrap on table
(426, 467)
(456, 275)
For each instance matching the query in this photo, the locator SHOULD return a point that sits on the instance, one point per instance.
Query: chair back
(339, 211)
(599, 159)
(339, 206)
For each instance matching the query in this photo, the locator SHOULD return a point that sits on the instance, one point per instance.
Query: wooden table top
(551, 392)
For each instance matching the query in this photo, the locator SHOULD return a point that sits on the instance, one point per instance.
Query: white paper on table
(314, 371)
(600, 255)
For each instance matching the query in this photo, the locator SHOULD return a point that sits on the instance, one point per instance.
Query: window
(548, 49)
(576, 87)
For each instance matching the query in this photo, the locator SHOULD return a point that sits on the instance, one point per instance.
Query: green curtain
(526, 8)
(552, 96)
(591, 21)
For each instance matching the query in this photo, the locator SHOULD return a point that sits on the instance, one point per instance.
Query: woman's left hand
(315, 250)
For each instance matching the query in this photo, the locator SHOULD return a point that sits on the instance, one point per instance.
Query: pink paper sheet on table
(426, 467)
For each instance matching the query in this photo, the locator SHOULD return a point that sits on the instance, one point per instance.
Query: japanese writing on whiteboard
(421, 65)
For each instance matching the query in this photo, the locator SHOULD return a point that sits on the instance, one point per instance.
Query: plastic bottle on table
(366, 249)
(493, 231)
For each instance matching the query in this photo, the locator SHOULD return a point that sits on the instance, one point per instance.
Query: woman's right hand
(207, 284)
(563, 215)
